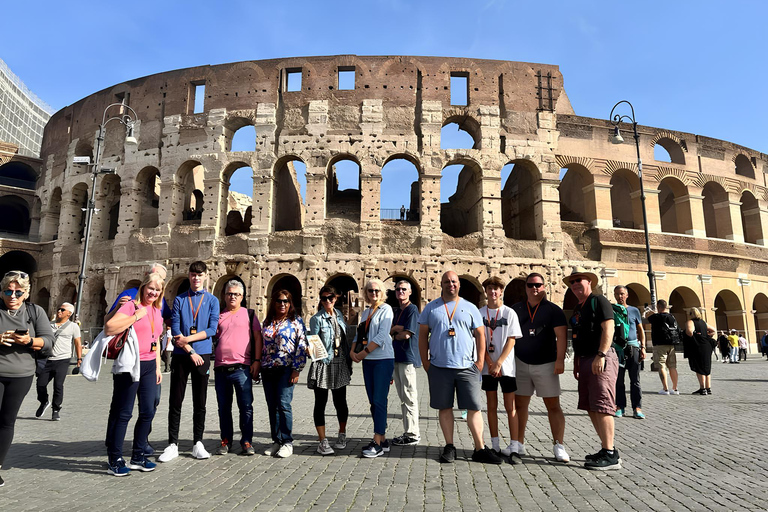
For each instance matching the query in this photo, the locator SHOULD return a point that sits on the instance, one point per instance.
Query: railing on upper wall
(398, 214)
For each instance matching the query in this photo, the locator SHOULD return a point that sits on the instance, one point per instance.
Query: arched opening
(680, 300)
(100, 312)
(569, 303)
(515, 292)
(400, 190)
(79, 204)
(18, 174)
(110, 197)
(17, 260)
(717, 211)
(518, 197)
(760, 308)
(176, 287)
(572, 196)
(750, 219)
(673, 210)
(191, 203)
(290, 283)
(148, 185)
(729, 313)
(238, 205)
(68, 294)
(460, 132)
(639, 296)
(243, 139)
(290, 193)
(344, 197)
(744, 167)
(44, 300)
(14, 216)
(625, 202)
(471, 290)
(461, 199)
(218, 289)
(667, 150)
(392, 281)
(52, 218)
(133, 283)
(348, 302)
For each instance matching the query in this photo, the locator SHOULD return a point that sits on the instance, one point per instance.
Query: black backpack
(672, 333)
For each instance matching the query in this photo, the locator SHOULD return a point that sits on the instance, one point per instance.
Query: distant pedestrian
(725, 346)
(402, 212)
(664, 334)
(698, 350)
(743, 344)
(733, 342)
(764, 344)
(635, 352)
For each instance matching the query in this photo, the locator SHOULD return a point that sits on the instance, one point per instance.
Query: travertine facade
(169, 201)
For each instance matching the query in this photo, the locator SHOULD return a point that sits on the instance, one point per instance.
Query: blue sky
(695, 66)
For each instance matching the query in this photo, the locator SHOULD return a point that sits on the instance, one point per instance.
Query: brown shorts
(597, 393)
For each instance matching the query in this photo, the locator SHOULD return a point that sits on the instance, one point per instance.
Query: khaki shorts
(540, 378)
(664, 356)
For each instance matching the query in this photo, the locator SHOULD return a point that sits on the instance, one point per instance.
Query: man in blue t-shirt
(635, 353)
(452, 348)
(405, 341)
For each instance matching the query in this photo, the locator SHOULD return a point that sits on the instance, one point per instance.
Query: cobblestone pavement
(691, 453)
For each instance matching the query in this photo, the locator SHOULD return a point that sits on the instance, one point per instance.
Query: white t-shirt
(506, 325)
(62, 347)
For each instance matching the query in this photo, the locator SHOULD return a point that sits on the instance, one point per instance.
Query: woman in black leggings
(24, 329)
(331, 373)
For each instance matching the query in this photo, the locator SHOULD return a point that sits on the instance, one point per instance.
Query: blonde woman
(373, 347)
(698, 345)
(145, 314)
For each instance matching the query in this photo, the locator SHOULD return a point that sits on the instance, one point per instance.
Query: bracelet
(192, 352)
(366, 350)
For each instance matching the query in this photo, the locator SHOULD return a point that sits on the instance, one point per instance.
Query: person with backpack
(634, 354)
(595, 365)
(665, 334)
(764, 344)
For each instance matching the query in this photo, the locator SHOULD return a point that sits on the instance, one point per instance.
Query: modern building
(22, 114)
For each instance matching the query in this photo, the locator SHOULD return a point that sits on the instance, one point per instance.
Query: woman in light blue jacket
(373, 347)
(332, 373)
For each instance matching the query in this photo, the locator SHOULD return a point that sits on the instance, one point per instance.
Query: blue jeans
(278, 392)
(240, 382)
(633, 369)
(124, 392)
(377, 374)
(734, 353)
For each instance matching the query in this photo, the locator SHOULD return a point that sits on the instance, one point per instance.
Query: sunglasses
(534, 285)
(401, 290)
(233, 294)
(328, 298)
(577, 280)
(282, 301)
(61, 309)
(17, 293)
(374, 291)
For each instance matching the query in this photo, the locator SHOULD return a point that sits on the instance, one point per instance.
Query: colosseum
(539, 189)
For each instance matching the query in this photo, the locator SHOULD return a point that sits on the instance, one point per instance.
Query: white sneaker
(325, 448)
(510, 449)
(341, 442)
(560, 454)
(272, 449)
(520, 448)
(286, 450)
(199, 451)
(171, 452)
(663, 392)
(674, 392)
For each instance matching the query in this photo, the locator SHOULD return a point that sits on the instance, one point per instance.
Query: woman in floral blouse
(283, 356)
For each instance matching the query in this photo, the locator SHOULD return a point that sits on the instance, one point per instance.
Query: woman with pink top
(146, 317)
(238, 338)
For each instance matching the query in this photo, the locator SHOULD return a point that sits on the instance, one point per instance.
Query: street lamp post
(127, 117)
(616, 120)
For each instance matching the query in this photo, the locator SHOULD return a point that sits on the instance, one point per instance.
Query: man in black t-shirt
(539, 361)
(662, 324)
(595, 365)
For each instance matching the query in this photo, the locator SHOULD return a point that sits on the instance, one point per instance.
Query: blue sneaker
(145, 465)
(619, 413)
(372, 450)
(118, 468)
(150, 451)
(639, 414)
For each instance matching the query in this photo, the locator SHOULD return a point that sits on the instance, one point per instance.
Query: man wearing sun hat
(595, 364)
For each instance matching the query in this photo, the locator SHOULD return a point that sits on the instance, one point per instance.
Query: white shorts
(537, 377)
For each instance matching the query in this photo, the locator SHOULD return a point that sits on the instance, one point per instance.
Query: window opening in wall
(148, 181)
(14, 216)
(572, 204)
(452, 136)
(344, 197)
(744, 167)
(400, 191)
(469, 291)
(198, 96)
(346, 78)
(244, 139)
(460, 200)
(625, 200)
(660, 154)
(517, 202)
(191, 180)
(293, 80)
(460, 89)
(289, 195)
(239, 203)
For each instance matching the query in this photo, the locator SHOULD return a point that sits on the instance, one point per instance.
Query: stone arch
(68, 293)
(569, 303)
(760, 308)
(148, 187)
(133, 283)
(240, 134)
(236, 207)
(674, 210)
(15, 218)
(464, 124)
(415, 289)
(175, 287)
(189, 203)
(78, 215)
(673, 148)
(52, 217)
(462, 212)
(639, 296)
(84, 147)
(573, 197)
(514, 292)
(471, 290)
(519, 194)
(717, 212)
(43, 299)
(345, 203)
(288, 202)
(348, 301)
(18, 260)
(743, 166)
(680, 300)
(625, 200)
(18, 174)
(750, 218)
(730, 312)
(397, 202)
(218, 289)
(110, 207)
(292, 284)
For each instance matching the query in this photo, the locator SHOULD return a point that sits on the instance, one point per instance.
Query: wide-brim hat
(580, 271)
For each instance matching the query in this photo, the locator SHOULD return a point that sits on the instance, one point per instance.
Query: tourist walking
(664, 335)
(698, 345)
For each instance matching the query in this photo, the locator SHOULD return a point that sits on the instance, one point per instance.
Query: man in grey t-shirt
(55, 367)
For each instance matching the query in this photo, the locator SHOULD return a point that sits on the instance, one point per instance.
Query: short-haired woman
(378, 357)
(332, 373)
(145, 314)
(283, 357)
(25, 331)
(698, 345)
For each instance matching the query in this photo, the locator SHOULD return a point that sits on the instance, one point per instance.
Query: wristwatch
(601, 354)
(366, 350)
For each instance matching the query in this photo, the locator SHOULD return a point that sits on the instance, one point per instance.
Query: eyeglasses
(401, 290)
(534, 285)
(577, 280)
(17, 293)
(372, 290)
(328, 298)
(233, 294)
(282, 301)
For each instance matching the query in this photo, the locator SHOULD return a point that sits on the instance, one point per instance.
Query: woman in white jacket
(145, 315)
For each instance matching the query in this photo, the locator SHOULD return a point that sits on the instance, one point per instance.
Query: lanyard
(194, 311)
(532, 316)
(450, 317)
(368, 320)
(401, 314)
(152, 320)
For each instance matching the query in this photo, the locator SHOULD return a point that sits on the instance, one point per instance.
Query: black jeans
(47, 370)
(633, 368)
(182, 367)
(339, 402)
(12, 393)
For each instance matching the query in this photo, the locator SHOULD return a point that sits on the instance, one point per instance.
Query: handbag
(116, 344)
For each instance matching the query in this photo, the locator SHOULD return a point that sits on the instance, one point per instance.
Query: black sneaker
(594, 456)
(486, 456)
(41, 410)
(605, 462)
(385, 446)
(701, 391)
(2, 482)
(405, 440)
(449, 454)
(709, 391)
(55, 416)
